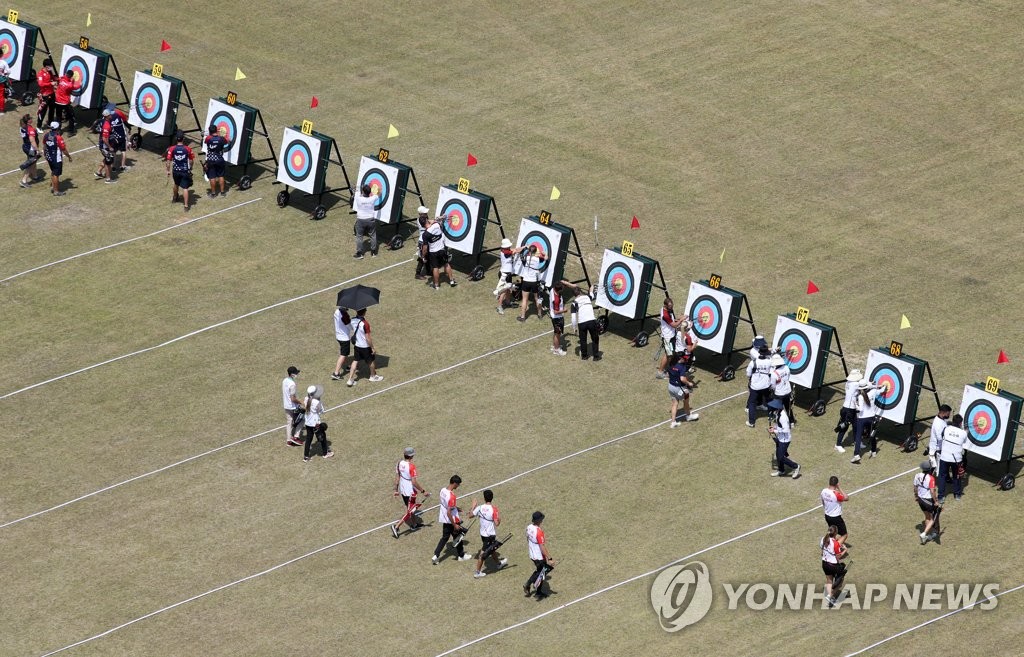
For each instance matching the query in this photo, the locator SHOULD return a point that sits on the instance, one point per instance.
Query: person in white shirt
(867, 415)
(669, 327)
(407, 486)
(759, 385)
(422, 266)
(366, 221)
(343, 334)
(951, 454)
(451, 523)
(292, 408)
(928, 500)
(848, 413)
(584, 320)
(315, 427)
(832, 499)
(556, 311)
(489, 519)
(781, 387)
(437, 253)
(782, 434)
(832, 551)
(364, 349)
(533, 263)
(536, 545)
(506, 271)
(935, 438)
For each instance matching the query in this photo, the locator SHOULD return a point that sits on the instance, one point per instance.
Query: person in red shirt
(179, 160)
(46, 77)
(67, 86)
(30, 146)
(107, 149)
(5, 79)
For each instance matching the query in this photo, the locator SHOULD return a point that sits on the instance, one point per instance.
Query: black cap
(537, 517)
(292, 370)
(180, 136)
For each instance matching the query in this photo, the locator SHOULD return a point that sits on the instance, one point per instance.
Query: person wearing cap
(537, 548)
(292, 407)
(951, 455)
(669, 330)
(583, 319)
(422, 265)
(506, 272)
(782, 389)
(451, 523)
(756, 345)
(939, 425)
(848, 413)
(343, 334)
(759, 382)
(437, 253)
(46, 78)
(107, 151)
(781, 432)
(178, 159)
(364, 349)
(532, 265)
(55, 150)
(67, 86)
(487, 514)
(927, 498)
(315, 427)
(407, 486)
(867, 414)
(680, 386)
(118, 134)
(29, 146)
(216, 146)
(366, 221)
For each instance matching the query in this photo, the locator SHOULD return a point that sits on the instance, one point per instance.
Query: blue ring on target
(298, 160)
(225, 119)
(543, 246)
(379, 178)
(706, 314)
(149, 114)
(8, 37)
(887, 374)
(796, 339)
(619, 285)
(983, 410)
(76, 63)
(456, 207)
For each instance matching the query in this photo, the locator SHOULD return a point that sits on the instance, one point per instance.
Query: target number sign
(83, 43)
(12, 16)
(388, 181)
(545, 217)
(898, 379)
(992, 385)
(627, 249)
(302, 163)
(715, 313)
(896, 349)
(804, 345)
(383, 155)
(463, 186)
(467, 218)
(990, 421)
(306, 128)
(803, 315)
(232, 98)
(16, 42)
(714, 281)
(153, 98)
(88, 67)
(235, 123)
(552, 240)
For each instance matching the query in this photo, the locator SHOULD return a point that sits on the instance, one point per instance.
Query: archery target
(619, 283)
(88, 68)
(899, 384)
(152, 98)
(552, 240)
(16, 41)
(303, 160)
(988, 419)
(388, 182)
(714, 314)
(10, 47)
(467, 215)
(801, 345)
(235, 123)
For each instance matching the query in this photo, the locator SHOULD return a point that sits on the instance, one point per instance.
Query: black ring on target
(706, 314)
(619, 285)
(9, 38)
(149, 103)
(543, 244)
(298, 160)
(76, 63)
(796, 349)
(983, 423)
(886, 375)
(225, 119)
(460, 219)
(377, 178)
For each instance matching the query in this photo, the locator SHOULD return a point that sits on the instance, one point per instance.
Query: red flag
(633, 225)
(164, 46)
(1003, 358)
(470, 160)
(315, 102)
(811, 287)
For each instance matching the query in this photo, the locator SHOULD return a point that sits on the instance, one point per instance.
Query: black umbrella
(358, 297)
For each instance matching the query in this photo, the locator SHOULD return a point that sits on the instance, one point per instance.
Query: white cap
(423, 209)
(54, 124)
(310, 390)
(506, 243)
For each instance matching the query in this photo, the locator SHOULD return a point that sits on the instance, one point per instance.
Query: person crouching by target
(759, 384)
(927, 496)
(422, 263)
(216, 145)
(179, 160)
(556, 312)
(848, 413)
(832, 552)
(437, 253)
(366, 221)
(536, 545)
(451, 523)
(407, 486)
(867, 417)
(680, 386)
(781, 432)
(506, 272)
(489, 519)
(782, 389)
(533, 262)
(584, 320)
(314, 408)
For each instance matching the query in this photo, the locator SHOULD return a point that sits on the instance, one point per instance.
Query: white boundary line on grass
(133, 239)
(263, 433)
(80, 150)
(370, 531)
(659, 569)
(202, 330)
(934, 620)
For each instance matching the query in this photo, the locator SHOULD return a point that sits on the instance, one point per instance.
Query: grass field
(148, 505)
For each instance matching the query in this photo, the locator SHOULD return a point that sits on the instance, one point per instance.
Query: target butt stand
(390, 181)
(467, 214)
(715, 312)
(92, 68)
(991, 419)
(558, 243)
(236, 122)
(302, 164)
(807, 344)
(18, 40)
(624, 288)
(900, 378)
(155, 105)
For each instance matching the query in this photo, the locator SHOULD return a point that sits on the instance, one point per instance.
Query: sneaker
(291, 442)
(110, 181)
(350, 383)
(942, 500)
(373, 254)
(376, 377)
(521, 319)
(358, 256)
(57, 193)
(433, 559)
(958, 497)
(776, 473)
(597, 357)
(855, 459)
(465, 557)
(831, 602)
(329, 454)
(527, 589)
(23, 185)
(210, 195)
(503, 562)
(691, 417)
(873, 454)
(478, 574)
(660, 375)
(840, 449)
(749, 424)
(336, 377)
(394, 531)
(305, 459)
(674, 424)
(924, 538)
(97, 174)
(796, 473)
(501, 311)
(224, 193)
(452, 283)
(561, 352)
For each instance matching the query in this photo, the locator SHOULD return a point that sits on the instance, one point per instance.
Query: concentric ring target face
(379, 185)
(890, 386)
(982, 422)
(796, 349)
(540, 240)
(77, 67)
(619, 285)
(460, 219)
(9, 46)
(227, 128)
(298, 160)
(706, 314)
(149, 103)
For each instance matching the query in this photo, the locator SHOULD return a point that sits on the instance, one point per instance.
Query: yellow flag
(721, 258)
(904, 322)
(88, 20)
(555, 193)
(238, 74)
(392, 131)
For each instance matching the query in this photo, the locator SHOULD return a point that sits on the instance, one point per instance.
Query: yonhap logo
(681, 595)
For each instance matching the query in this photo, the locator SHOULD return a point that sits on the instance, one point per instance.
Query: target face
(387, 181)
(235, 123)
(15, 41)
(802, 345)
(619, 284)
(552, 240)
(988, 420)
(87, 67)
(152, 98)
(899, 381)
(302, 163)
(714, 314)
(10, 46)
(467, 217)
